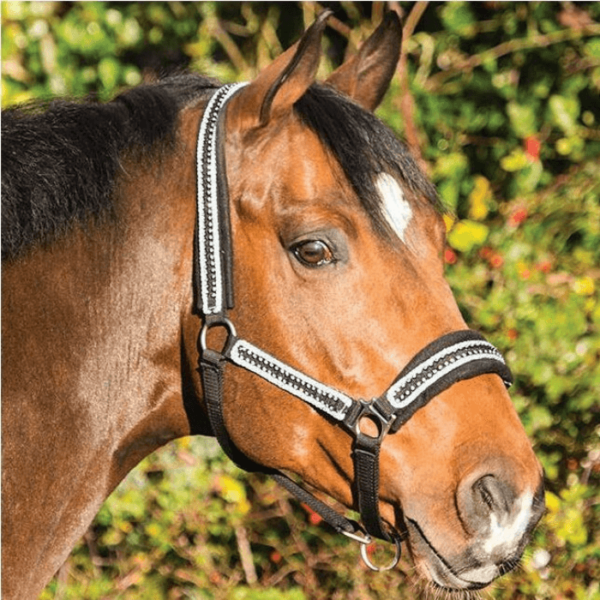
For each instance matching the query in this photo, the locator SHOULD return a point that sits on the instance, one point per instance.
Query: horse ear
(282, 83)
(366, 77)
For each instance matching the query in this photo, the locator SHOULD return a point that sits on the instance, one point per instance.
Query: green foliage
(534, 289)
(506, 120)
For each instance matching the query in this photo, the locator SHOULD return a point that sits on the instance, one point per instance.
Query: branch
(235, 56)
(246, 554)
(536, 41)
(407, 105)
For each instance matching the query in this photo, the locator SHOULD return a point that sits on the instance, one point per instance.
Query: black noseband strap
(451, 358)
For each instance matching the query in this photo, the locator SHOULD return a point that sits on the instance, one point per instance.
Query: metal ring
(370, 411)
(365, 556)
(222, 322)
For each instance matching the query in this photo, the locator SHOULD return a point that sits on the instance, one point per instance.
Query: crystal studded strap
(209, 259)
(408, 388)
(451, 358)
(322, 397)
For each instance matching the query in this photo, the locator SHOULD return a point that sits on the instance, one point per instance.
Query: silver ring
(223, 322)
(365, 556)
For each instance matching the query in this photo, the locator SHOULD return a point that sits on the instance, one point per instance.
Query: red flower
(544, 266)
(512, 334)
(449, 256)
(532, 147)
(313, 517)
(486, 253)
(496, 261)
(517, 216)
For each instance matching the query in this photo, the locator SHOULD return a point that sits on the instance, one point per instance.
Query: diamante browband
(451, 358)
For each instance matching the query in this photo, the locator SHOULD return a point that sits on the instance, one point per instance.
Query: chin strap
(453, 357)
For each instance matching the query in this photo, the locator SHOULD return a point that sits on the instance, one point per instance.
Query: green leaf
(515, 161)
(449, 191)
(452, 166)
(564, 112)
(592, 48)
(522, 118)
(458, 17)
(467, 235)
(108, 72)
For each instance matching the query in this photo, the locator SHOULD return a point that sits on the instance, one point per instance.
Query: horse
(336, 258)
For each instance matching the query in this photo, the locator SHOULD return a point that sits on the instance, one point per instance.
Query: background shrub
(500, 104)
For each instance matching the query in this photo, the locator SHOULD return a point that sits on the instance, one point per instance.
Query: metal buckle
(371, 412)
(362, 538)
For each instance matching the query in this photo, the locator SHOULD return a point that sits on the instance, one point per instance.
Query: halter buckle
(373, 413)
(364, 539)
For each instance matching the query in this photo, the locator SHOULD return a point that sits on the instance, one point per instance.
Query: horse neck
(92, 360)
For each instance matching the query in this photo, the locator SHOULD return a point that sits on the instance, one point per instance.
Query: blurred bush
(500, 104)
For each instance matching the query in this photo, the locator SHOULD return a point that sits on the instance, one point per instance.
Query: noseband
(453, 357)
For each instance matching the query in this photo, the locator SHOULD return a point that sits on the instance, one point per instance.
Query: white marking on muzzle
(506, 533)
(504, 537)
(396, 208)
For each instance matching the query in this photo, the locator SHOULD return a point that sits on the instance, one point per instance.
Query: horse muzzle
(499, 525)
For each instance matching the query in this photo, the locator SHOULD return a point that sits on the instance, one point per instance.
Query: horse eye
(313, 253)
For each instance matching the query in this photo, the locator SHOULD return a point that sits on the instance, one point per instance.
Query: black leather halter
(453, 357)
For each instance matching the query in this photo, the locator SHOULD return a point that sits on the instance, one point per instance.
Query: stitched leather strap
(212, 368)
(366, 483)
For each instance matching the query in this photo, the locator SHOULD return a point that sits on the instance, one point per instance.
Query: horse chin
(432, 565)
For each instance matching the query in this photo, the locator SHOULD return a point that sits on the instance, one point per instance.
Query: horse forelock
(60, 158)
(365, 149)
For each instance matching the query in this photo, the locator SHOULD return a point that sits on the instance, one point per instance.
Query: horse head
(352, 366)
(338, 272)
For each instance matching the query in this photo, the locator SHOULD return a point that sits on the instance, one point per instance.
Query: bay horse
(336, 241)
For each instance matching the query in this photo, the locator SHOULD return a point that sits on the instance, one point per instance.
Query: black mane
(60, 159)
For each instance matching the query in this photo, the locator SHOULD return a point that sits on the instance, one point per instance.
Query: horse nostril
(490, 495)
(480, 500)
